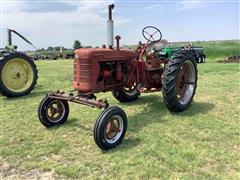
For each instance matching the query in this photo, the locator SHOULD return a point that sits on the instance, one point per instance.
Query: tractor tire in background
(18, 74)
(179, 82)
(199, 59)
(203, 59)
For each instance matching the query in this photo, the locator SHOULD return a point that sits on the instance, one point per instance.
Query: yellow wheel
(18, 74)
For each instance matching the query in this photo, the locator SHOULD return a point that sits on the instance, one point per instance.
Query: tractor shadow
(154, 111)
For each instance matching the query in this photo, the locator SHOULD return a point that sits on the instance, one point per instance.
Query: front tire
(179, 82)
(53, 111)
(110, 128)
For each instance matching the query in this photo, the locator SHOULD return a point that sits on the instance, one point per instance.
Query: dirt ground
(231, 59)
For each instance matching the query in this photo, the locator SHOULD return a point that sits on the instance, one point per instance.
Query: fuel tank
(87, 65)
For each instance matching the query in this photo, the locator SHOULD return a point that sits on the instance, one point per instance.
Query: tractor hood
(104, 54)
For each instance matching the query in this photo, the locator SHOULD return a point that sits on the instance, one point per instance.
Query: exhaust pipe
(110, 27)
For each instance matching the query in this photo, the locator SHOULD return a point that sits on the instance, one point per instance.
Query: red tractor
(127, 74)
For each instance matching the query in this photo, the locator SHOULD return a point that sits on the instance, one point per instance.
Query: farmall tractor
(126, 74)
(18, 72)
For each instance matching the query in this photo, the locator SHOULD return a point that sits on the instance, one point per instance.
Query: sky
(60, 22)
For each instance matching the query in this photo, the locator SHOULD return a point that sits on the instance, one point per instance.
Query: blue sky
(52, 23)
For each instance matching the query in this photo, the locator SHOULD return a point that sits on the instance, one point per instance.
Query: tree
(77, 44)
(57, 48)
(87, 46)
(50, 48)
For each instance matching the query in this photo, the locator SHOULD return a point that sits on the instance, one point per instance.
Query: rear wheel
(110, 128)
(126, 94)
(53, 111)
(179, 82)
(18, 74)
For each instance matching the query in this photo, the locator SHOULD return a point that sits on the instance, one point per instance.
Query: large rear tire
(179, 82)
(18, 74)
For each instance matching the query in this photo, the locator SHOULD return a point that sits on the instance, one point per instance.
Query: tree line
(76, 45)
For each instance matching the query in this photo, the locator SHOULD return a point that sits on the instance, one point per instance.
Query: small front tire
(110, 128)
(53, 111)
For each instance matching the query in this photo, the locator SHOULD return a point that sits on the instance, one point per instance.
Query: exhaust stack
(110, 27)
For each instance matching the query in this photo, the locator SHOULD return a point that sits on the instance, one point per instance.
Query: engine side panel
(101, 69)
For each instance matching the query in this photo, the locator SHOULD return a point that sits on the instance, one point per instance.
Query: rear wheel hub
(186, 81)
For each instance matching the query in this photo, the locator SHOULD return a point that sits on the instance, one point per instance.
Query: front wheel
(110, 128)
(53, 111)
(179, 82)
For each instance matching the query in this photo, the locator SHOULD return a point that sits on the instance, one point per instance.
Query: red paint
(106, 73)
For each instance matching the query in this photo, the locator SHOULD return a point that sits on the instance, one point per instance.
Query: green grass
(201, 143)
(218, 49)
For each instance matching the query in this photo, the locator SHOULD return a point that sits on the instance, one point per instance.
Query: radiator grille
(82, 70)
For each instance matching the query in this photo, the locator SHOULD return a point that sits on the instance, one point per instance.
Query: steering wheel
(151, 34)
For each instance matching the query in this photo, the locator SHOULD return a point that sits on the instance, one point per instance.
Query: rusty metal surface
(181, 82)
(88, 100)
(87, 70)
(54, 110)
(104, 54)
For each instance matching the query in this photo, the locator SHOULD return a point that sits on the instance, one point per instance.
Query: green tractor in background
(18, 72)
(162, 49)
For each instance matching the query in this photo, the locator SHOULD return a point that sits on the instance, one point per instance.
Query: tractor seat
(157, 45)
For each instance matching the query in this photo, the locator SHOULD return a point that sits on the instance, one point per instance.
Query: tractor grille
(82, 71)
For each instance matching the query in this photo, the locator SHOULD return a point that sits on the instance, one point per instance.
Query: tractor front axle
(88, 100)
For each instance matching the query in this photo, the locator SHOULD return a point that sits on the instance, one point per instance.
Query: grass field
(200, 143)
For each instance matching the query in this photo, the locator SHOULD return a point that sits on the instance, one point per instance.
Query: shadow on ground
(28, 96)
(155, 111)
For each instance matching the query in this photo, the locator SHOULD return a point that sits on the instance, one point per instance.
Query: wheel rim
(131, 89)
(186, 82)
(17, 75)
(113, 129)
(55, 111)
